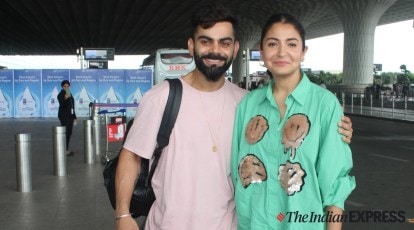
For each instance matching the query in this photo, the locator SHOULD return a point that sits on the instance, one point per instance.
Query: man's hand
(126, 223)
(345, 129)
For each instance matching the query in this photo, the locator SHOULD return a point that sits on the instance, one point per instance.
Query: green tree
(410, 77)
(388, 77)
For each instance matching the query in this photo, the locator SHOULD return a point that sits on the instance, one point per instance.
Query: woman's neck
(284, 85)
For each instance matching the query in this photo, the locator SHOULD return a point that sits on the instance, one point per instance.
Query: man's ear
(190, 44)
(236, 49)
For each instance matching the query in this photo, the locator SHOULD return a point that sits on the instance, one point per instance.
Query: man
(66, 113)
(192, 182)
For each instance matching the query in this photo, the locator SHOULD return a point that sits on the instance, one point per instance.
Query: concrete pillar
(249, 35)
(359, 19)
(238, 70)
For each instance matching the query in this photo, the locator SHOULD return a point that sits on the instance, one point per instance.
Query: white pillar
(359, 19)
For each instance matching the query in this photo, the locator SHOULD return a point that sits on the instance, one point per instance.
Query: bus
(169, 63)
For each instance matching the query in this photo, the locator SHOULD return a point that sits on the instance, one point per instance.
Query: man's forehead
(220, 30)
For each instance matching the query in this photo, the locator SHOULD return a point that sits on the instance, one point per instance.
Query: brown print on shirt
(251, 170)
(291, 177)
(256, 129)
(294, 132)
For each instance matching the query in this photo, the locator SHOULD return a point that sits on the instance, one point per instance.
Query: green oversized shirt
(315, 173)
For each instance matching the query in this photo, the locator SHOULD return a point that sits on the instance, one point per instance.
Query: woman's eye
(271, 44)
(292, 45)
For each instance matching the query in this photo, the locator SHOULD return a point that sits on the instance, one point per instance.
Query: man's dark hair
(208, 13)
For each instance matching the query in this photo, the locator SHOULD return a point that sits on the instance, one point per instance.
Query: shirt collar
(299, 94)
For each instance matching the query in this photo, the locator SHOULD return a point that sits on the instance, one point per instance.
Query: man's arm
(345, 128)
(126, 174)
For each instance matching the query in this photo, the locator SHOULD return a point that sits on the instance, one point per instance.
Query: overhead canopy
(59, 27)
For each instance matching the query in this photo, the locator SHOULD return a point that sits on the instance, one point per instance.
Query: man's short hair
(208, 13)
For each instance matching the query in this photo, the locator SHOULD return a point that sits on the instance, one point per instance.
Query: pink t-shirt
(192, 183)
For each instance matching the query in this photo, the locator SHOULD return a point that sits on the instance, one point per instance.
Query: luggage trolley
(115, 122)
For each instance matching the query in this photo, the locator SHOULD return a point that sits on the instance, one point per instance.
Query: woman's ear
(261, 62)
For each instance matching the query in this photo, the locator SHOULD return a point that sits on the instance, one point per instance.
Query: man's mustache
(213, 56)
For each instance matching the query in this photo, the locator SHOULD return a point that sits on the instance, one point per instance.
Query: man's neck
(198, 81)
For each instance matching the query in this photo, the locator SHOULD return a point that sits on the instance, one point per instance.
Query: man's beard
(214, 72)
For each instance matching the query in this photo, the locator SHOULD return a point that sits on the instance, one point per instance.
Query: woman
(66, 113)
(289, 165)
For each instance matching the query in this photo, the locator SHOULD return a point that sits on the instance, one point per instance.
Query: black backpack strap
(167, 123)
(170, 113)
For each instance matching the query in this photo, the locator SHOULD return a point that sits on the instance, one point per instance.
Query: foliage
(325, 77)
(386, 78)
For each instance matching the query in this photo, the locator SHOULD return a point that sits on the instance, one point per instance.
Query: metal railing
(380, 105)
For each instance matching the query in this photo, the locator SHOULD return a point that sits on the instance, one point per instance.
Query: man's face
(213, 50)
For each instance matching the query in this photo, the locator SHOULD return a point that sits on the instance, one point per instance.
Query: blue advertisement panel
(84, 87)
(27, 88)
(51, 79)
(6, 93)
(111, 87)
(137, 83)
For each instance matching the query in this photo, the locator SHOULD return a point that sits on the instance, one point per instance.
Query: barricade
(88, 142)
(59, 150)
(96, 131)
(23, 162)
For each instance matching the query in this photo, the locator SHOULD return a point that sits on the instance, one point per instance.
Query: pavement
(383, 154)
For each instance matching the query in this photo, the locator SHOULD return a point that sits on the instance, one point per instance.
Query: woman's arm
(333, 211)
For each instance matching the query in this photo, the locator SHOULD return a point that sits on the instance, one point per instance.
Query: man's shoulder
(237, 91)
(158, 90)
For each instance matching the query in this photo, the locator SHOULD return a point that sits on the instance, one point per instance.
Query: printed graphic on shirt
(251, 170)
(295, 130)
(256, 129)
(291, 177)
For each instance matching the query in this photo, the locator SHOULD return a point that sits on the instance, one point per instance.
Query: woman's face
(282, 50)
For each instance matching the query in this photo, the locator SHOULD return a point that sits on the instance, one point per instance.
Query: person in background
(323, 85)
(192, 182)
(66, 113)
(287, 156)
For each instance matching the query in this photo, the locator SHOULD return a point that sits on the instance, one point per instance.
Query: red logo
(177, 67)
(280, 217)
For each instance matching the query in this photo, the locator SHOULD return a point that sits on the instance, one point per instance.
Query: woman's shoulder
(323, 93)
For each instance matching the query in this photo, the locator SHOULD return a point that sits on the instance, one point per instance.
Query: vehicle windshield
(176, 58)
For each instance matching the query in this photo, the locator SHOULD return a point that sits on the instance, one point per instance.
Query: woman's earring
(261, 63)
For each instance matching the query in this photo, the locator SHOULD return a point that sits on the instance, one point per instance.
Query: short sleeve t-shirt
(192, 183)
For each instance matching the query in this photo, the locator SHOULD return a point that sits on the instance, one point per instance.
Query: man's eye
(205, 42)
(226, 44)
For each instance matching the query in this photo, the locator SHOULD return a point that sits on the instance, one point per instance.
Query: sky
(394, 46)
